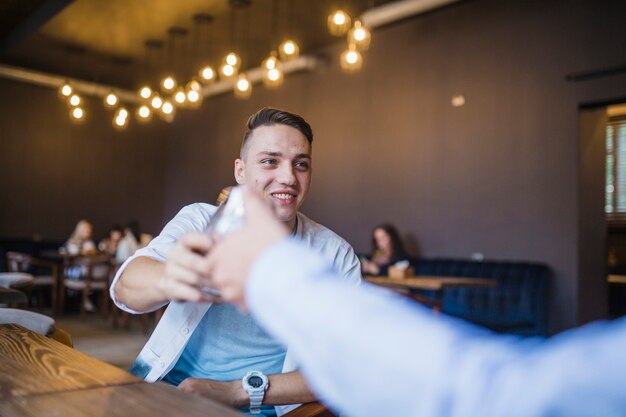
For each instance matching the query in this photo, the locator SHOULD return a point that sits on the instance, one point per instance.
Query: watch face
(255, 381)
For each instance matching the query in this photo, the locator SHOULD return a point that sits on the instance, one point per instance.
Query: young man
(209, 350)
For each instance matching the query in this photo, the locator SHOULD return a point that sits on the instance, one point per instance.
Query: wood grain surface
(134, 400)
(34, 364)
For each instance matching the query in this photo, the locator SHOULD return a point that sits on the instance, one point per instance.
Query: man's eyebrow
(280, 154)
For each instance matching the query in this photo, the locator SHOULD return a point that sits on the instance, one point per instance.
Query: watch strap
(256, 399)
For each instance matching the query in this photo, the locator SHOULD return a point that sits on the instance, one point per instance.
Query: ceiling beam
(31, 24)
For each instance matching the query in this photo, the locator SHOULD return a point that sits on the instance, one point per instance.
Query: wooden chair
(95, 276)
(45, 274)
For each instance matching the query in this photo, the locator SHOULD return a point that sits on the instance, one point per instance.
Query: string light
(110, 100)
(339, 23)
(74, 100)
(243, 87)
(145, 92)
(143, 113)
(120, 119)
(180, 97)
(207, 73)
(65, 90)
(272, 71)
(156, 101)
(351, 60)
(168, 84)
(77, 114)
(288, 50)
(359, 36)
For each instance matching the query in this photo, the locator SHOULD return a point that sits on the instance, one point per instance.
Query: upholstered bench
(518, 304)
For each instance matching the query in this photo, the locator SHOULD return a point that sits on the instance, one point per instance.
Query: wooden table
(617, 279)
(430, 283)
(41, 377)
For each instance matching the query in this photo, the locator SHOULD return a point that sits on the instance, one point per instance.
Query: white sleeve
(194, 217)
(367, 352)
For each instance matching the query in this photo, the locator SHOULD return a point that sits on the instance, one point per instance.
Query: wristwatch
(255, 383)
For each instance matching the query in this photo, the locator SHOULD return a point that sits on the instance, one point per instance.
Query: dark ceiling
(103, 40)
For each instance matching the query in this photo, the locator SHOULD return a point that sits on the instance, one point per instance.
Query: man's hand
(228, 393)
(230, 258)
(186, 268)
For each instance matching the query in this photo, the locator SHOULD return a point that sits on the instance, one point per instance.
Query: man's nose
(286, 175)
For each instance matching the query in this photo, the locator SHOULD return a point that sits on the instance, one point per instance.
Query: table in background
(617, 279)
(42, 377)
(430, 283)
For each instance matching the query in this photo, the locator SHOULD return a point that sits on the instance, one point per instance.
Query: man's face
(277, 164)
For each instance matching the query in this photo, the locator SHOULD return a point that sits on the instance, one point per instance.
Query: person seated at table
(110, 243)
(129, 242)
(387, 249)
(81, 240)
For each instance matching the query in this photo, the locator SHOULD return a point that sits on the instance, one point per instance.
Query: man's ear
(240, 171)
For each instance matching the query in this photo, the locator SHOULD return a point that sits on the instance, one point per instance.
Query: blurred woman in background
(387, 249)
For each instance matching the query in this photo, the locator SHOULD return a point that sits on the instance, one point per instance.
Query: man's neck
(292, 225)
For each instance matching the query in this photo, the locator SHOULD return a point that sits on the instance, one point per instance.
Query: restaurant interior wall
(498, 176)
(54, 173)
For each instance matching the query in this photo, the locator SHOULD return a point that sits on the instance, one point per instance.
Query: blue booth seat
(518, 304)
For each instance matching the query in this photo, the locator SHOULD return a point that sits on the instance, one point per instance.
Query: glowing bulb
(180, 96)
(243, 88)
(233, 59)
(228, 71)
(269, 62)
(168, 107)
(75, 100)
(65, 90)
(194, 85)
(144, 113)
(351, 59)
(77, 114)
(207, 73)
(145, 92)
(121, 113)
(193, 96)
(288, 50)
(339, 23)
(156, 102)
(272, 72)
(359, 36)
(110, 100)
(168, 83)
(120, 123)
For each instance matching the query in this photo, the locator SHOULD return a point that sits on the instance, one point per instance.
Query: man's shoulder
(318, 234)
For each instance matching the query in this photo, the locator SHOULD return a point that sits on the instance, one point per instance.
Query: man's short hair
(269, 116)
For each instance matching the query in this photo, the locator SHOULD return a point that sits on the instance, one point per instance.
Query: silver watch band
(256, 399)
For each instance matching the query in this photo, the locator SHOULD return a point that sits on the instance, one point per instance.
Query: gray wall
(53, 173)
(501, 175)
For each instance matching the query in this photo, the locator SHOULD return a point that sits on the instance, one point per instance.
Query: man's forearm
(288, 388)
(137, 287)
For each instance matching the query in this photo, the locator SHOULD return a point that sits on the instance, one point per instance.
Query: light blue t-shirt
(225, 346)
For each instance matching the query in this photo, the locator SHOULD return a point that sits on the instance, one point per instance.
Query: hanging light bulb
(194, 84)
(359, 36)
(110, 100)
(272, 71)
(194, 98)
(74, 100)
(288, 50)
(77, 114)
(351, 60)
(207, 74)
(180, 96)
(339, 23)
(65, 90)
(145, 92)
(233, 59)
(143, 113)
(243, 87)
(120, 118)
(167, 111)
(156, 101)
(168, 84)
(228, 71)
(230, 65)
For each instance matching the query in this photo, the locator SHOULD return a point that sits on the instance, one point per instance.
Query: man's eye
(302, 165)
(268, 161)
